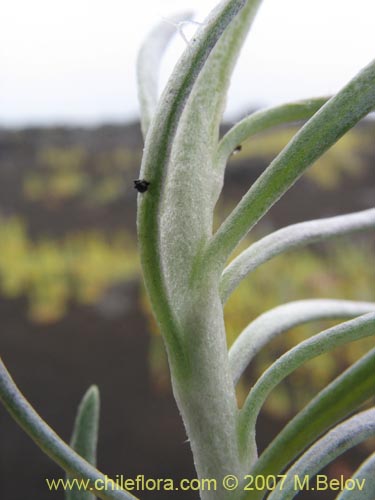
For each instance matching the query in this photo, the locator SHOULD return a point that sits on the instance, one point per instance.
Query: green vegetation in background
(62, 158)
(53, 272)
(348, 157)
(71, 172)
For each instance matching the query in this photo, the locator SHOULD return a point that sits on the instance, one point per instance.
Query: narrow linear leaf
(343, 437)
(155, 163)
(148, 66)
(263, 120)
(213, 82)
(85, 436)
(289, 238)
(196, 147)
(281, 319)
(86, 427)
(330, 123)
(187, 211)
(358, 328)
(50, 443)
(366, 474)
(340, 398)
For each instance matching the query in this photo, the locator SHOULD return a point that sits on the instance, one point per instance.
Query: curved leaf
(340, 398)
(333, 444)
(330, 123)
(50, 443)
(263, 120)
(154, 168)
(214, 80)
(289, 238)
(194, 161)
(85, 436)
(365, 472)
(148, 64)
(358, 328)
(281, 319)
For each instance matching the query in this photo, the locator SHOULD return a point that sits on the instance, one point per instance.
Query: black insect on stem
(237, 149)
(141, 185)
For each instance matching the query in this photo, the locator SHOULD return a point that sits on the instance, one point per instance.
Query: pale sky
(73, 61)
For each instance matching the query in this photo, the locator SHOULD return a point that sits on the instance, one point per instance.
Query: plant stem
(207, 399)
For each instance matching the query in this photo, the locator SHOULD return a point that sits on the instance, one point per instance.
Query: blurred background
(72, 305)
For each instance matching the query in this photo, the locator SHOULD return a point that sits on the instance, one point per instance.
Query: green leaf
(281, 319)
(365, 472)
(174, 225)
(289, 238)
(50, 443)
(336, 117)
(340, 398)
(210, 90)
(340, 439)
(85, 436)
(263, 120)
(156, 159)
(148, 66)
(194, 162)
(358, 328)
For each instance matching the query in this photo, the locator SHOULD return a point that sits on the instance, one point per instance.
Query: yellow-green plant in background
(63, 173)
(51, 272)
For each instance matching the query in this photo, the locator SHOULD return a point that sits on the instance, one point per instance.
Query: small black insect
(237, 149)
(141, 185)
